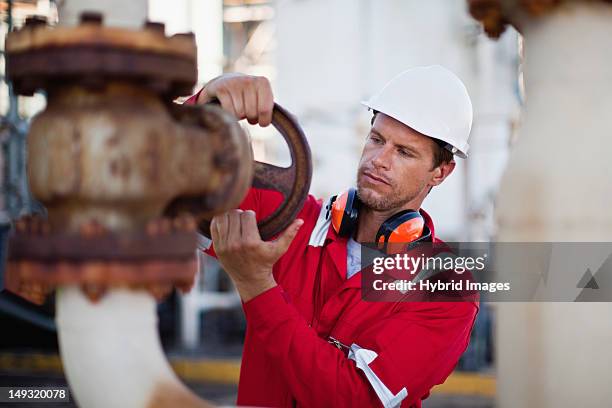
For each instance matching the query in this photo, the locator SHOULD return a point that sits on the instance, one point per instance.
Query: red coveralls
(287, 359)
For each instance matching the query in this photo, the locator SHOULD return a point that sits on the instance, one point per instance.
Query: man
(311, 340)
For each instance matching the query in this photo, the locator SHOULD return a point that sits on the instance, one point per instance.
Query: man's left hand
(246, 258)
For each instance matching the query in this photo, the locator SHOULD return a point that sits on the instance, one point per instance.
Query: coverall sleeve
(417, 348)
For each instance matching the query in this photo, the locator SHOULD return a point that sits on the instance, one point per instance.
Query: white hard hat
(431, 100)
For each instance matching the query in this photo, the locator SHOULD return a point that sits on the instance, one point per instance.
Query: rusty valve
(292, 182)
(109, 156)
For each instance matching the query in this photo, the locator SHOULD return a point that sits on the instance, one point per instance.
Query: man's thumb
(284, 240)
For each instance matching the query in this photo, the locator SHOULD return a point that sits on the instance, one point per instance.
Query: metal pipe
(556, 189)
(111, 352)
(110, 349)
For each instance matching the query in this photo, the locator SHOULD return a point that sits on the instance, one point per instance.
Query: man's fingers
(250, 232)
(250, 104)
(265, 101)
(215, 233)
(223, 226)
(226, 102)
(243, 96)
(237, 99)
(283, 242)
(234, 227)
(213, 230)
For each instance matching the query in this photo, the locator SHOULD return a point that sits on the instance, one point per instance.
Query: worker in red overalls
(311, 340)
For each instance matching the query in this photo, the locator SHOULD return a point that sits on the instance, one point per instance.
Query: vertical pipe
(557, 188)
(111, 352)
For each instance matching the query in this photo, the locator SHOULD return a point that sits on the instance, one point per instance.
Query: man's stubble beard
(384, 203)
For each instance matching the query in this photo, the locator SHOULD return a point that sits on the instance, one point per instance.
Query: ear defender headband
(407, 226)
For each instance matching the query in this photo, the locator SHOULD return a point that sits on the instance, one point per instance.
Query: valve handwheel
(292, 182)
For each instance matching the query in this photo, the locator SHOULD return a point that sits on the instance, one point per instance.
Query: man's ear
(442, 172)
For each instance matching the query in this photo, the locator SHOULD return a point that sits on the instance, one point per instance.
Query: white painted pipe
(117, 13)
(557, 189)
(112, 354)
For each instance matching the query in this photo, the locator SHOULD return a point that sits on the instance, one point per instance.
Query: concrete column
(557, 188)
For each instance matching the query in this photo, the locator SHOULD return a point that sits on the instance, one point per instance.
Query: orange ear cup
(337, 210)
(401, 229)
(408, 231)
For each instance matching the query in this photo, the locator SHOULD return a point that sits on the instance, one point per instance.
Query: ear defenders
(407, 226)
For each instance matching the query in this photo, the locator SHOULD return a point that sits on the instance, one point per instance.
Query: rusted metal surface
(165, 238)
(490, 15)
(158, 258)
(496, 15)
(118, 156)
(109, 154)
(292, 182)
(40, 57)
(34, 281)
(105, 163)
(230, 157)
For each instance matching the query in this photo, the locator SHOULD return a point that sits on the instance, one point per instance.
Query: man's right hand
(244, 96)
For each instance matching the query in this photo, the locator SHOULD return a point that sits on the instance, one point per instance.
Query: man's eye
(405, 153)
(376, 139)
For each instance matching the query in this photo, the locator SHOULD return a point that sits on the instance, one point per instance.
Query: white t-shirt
(353, 258)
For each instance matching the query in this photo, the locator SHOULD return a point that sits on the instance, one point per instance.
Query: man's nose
(382, 158)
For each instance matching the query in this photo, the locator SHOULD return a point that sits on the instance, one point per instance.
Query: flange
(158, 258)
(90, 54)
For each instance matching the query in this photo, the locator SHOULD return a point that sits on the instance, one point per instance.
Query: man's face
(395, 166)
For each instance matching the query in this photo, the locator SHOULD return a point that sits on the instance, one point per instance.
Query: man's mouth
(375, 179)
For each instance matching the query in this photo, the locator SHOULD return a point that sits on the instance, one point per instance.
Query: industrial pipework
(127, 178)
(556, 188)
